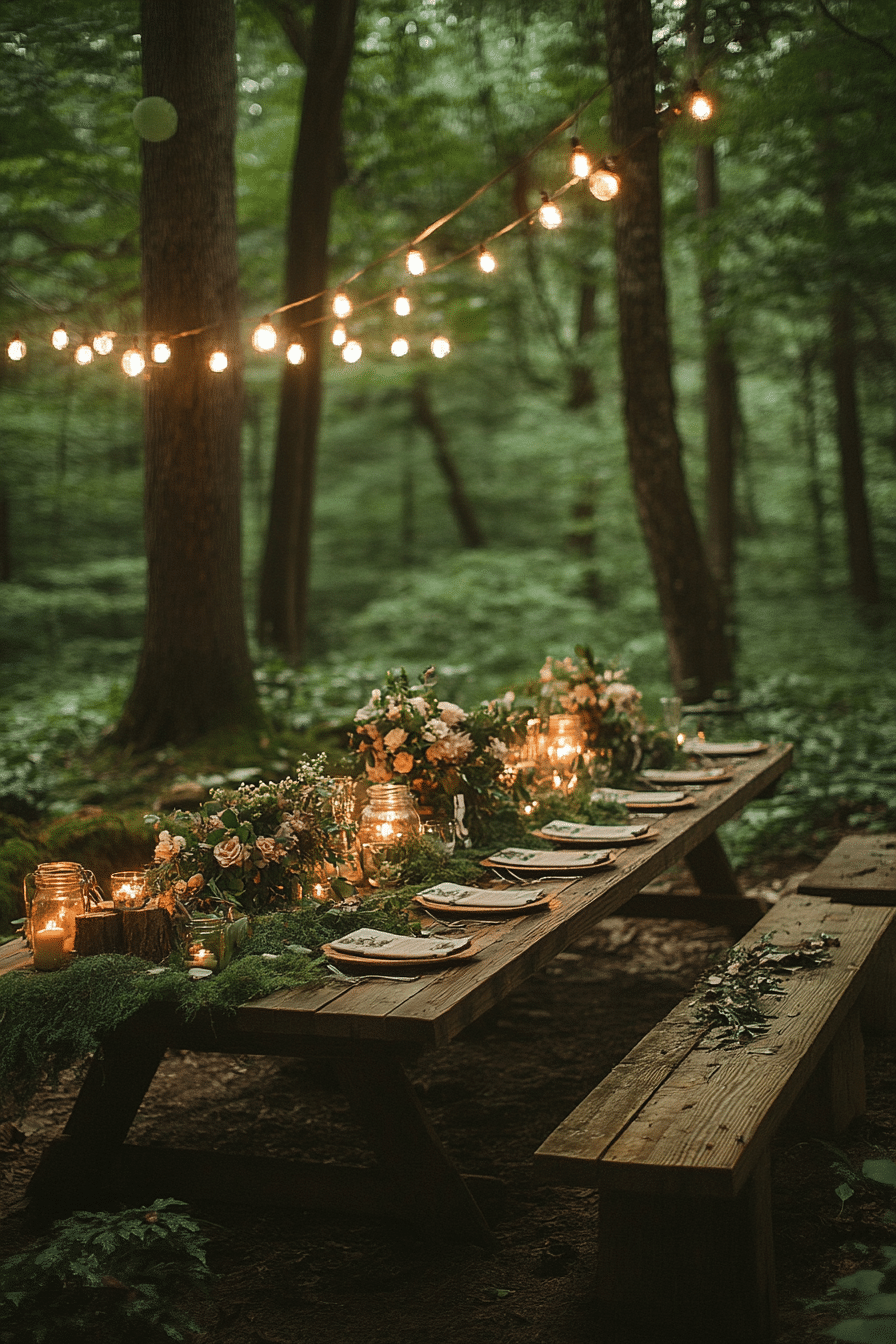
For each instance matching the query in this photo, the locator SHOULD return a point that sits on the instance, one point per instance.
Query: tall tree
(690, 600)
(283, 597)
(195, 673)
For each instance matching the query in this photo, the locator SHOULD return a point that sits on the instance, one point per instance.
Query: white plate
(550, 860)
(698, 776)
(698, 747)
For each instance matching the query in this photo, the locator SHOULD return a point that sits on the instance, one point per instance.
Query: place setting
(580, 833)
(696, 746)
(658, 800)
(515, 861)
(372, 952)
(455, 899)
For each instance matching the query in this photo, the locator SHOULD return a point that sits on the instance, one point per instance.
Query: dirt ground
(493, 1097)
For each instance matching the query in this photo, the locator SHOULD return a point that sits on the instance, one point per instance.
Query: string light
(342, 305)
(16, 348)
(59, 339)
(103, 343)
(264, 337)
(161, 352)
(217, 361)
(580, 164)
(399, 347)
(698, 104)
(549, 214)
(604, 183)
(351, 352)
(339, 337)
(415, 262)
(84, 354)
(402, 304)
(295, 353)
(486, 260)
(132, 361)
(440, 346)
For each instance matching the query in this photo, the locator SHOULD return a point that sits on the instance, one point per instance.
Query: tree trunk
(582, 388)
(283, 596)
(461, 505)
(690, 601)
(195, 673)
(863, 581)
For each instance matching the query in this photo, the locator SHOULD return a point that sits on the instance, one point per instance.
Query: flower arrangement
(249, 848)
(609, 707)
(406, 735)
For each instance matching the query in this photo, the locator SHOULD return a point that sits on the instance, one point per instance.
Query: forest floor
(493, 1096)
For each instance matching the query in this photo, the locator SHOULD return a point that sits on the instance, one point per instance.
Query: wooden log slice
(147, 933)
(98, 932)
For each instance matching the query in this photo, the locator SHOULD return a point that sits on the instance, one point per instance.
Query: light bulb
(217, 361)
(84, 353)
(603, 184)
(132, 361)
(486, 260)
(161, 352)
(16, 348)
(549, 213)
(402, 304)
(342, 305)
(339, 337)
(264, 337)
(295, 353)
(415, 262)
(351, 352)
(700, 107)
(440, 347)
(59, 339)
(103, 343)
(399, 346)
(580, 164)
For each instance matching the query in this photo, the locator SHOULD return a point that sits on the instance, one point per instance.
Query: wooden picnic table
(369, 1031)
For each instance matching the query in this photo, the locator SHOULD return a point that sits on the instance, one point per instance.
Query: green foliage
(872, 1294)
(106, 1276)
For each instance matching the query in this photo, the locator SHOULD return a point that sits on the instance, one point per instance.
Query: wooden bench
(677, 1137)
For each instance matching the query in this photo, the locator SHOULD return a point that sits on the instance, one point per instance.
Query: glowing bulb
(549, 213)
(103, 343)
(339, 337)
(399, 346)
(217, 361)
(295, 353)
(161, 352)
(83, 354)
(132, 361)
(486, 260)
(16, 348)
(59, 339)
(351, 352)
(415, 262)
(264, 337)
(402, 304)
(440, 347)
(580, 164)
(603, 184)
(342, 305)
(700, 106)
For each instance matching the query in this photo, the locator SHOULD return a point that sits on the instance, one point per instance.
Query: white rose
(230, 851)
(168, 846)
(451, 714)
(418, 703)
(435, 729)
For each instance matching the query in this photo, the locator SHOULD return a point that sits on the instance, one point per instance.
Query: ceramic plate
(579, 841)
(697, 746)
(380, 965)
(459, 911)
(712, 776)
(550, 860)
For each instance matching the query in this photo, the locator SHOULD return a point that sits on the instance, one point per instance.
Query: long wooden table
(370, 1030)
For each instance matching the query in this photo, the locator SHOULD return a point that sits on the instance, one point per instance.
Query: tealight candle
(205, 960)
(49, 948)
(128, 890)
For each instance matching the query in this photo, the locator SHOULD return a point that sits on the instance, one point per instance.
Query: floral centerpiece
(406, 734)
(253, 848)
(614, 726)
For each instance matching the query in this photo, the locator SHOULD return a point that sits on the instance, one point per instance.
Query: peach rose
(230, 852)
(394, 738)
(450, 713)
(168, 846)
(404, 763)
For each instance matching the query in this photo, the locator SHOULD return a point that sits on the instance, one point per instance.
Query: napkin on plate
(396, 946)
(656, 799)
(697, 776)
(548, 858)
(452, 893)
(701, 748)
(572, 830)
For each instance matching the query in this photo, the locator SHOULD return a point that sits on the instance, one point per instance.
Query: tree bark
(863, 581)
(283, 595)
(461, 505)
(690, 601)
(195, 674)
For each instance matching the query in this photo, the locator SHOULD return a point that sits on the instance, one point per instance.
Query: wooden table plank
(860, 869)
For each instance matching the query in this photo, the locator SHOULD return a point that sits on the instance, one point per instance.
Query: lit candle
(204, 960)
(49, 948)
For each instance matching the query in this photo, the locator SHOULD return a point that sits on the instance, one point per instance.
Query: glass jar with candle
(388, 819)
(212, 939)
(564, 750)
(129, 890)
(55, 894)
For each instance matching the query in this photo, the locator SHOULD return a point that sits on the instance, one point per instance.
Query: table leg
(427, 1186)
(74, 1168)
(711, 868)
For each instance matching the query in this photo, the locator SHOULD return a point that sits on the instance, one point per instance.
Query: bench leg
(696, 1270)
(835, 1093)
(711, 868)
(878, 1001)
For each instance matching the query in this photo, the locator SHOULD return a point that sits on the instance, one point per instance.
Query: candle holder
(211, 940)
(564, 751)
(129, 890)
(55, 895)
(348, 861)
(388, 820)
